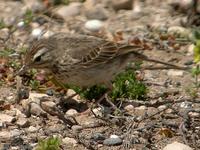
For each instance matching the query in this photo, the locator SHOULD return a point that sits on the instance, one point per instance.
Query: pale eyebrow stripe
(39, 53)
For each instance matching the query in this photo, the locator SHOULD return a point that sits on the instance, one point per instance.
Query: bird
(82, 60)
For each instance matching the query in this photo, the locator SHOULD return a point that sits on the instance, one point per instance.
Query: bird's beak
(23, 69)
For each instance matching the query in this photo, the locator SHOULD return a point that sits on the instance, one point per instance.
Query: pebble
(6, 118)
(15, 132)
(172, 72)
(98, 111)
(178, 31)
(34, 5)
(190, 49)
(5, 135)
(71, 112)
(23, 122)
(20, 24)
(71, 10)
(189, 62)
(49, 107)
(162, 107)
(113, 140)
(98, 137)
(129, 108)
(49, 92)
(94, 25)
(122, 4)
(35, 109)
(36, 33)
(177, 146)
(140, 111)
(32, 129)
(97, 12)
(4, 33)
(152, 110)
(194, 114)
(76, 128)
(68, 140)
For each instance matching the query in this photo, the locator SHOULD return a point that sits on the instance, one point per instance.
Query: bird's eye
(38, 59)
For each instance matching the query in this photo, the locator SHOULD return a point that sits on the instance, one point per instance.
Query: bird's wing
(91, 51)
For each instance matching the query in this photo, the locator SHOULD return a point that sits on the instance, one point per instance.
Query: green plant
(125, 85)
(28, 17)
(58, 2)
(52, 143)
(2, 24)
(34, 84)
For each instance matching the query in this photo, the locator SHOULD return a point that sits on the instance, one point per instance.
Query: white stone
(177, 146)
(20, 24)
(190, 50)
(94, 25)
(162, 107)
(36, 33)
(129, 108)
(172, 72)
(98, 111)
(71, 112)
(114, 136)
(68, 140)
(32, 129)
(6, 118)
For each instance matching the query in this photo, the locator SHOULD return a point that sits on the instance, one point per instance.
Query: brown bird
(82, 60)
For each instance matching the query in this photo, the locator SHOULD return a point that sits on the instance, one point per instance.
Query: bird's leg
(106, 97)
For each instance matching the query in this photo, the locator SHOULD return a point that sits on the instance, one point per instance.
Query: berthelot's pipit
(82, 60)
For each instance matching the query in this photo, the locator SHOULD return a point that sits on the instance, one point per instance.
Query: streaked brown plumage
(81, 60)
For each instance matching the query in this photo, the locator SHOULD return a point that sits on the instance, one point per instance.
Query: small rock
(152, 110)
(71, 10)
(35, 109)
(98, 111)
(32, 129)
(5, 135)
(162, 107)
(71, 112)
(36, 33)
(140, 111)
(175, 73)
(186, 105)
(129, 108)
(6, 118)
(194, 114)
(76, 128)
(98, 137)
(34, 5)
(94, 25)
(68, 141)
(49, 107)
(4, 33)
(113, 140)
(189, 62)
(190, 51)
(23, 122)
(178, 31)
(15, 132)
(48, 34)
(20, 24)
(97, 12)
(70, 92)
(122, 4)
(177, 146)
(49, 92)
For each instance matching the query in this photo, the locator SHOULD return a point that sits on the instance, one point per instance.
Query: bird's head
(38, 56)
